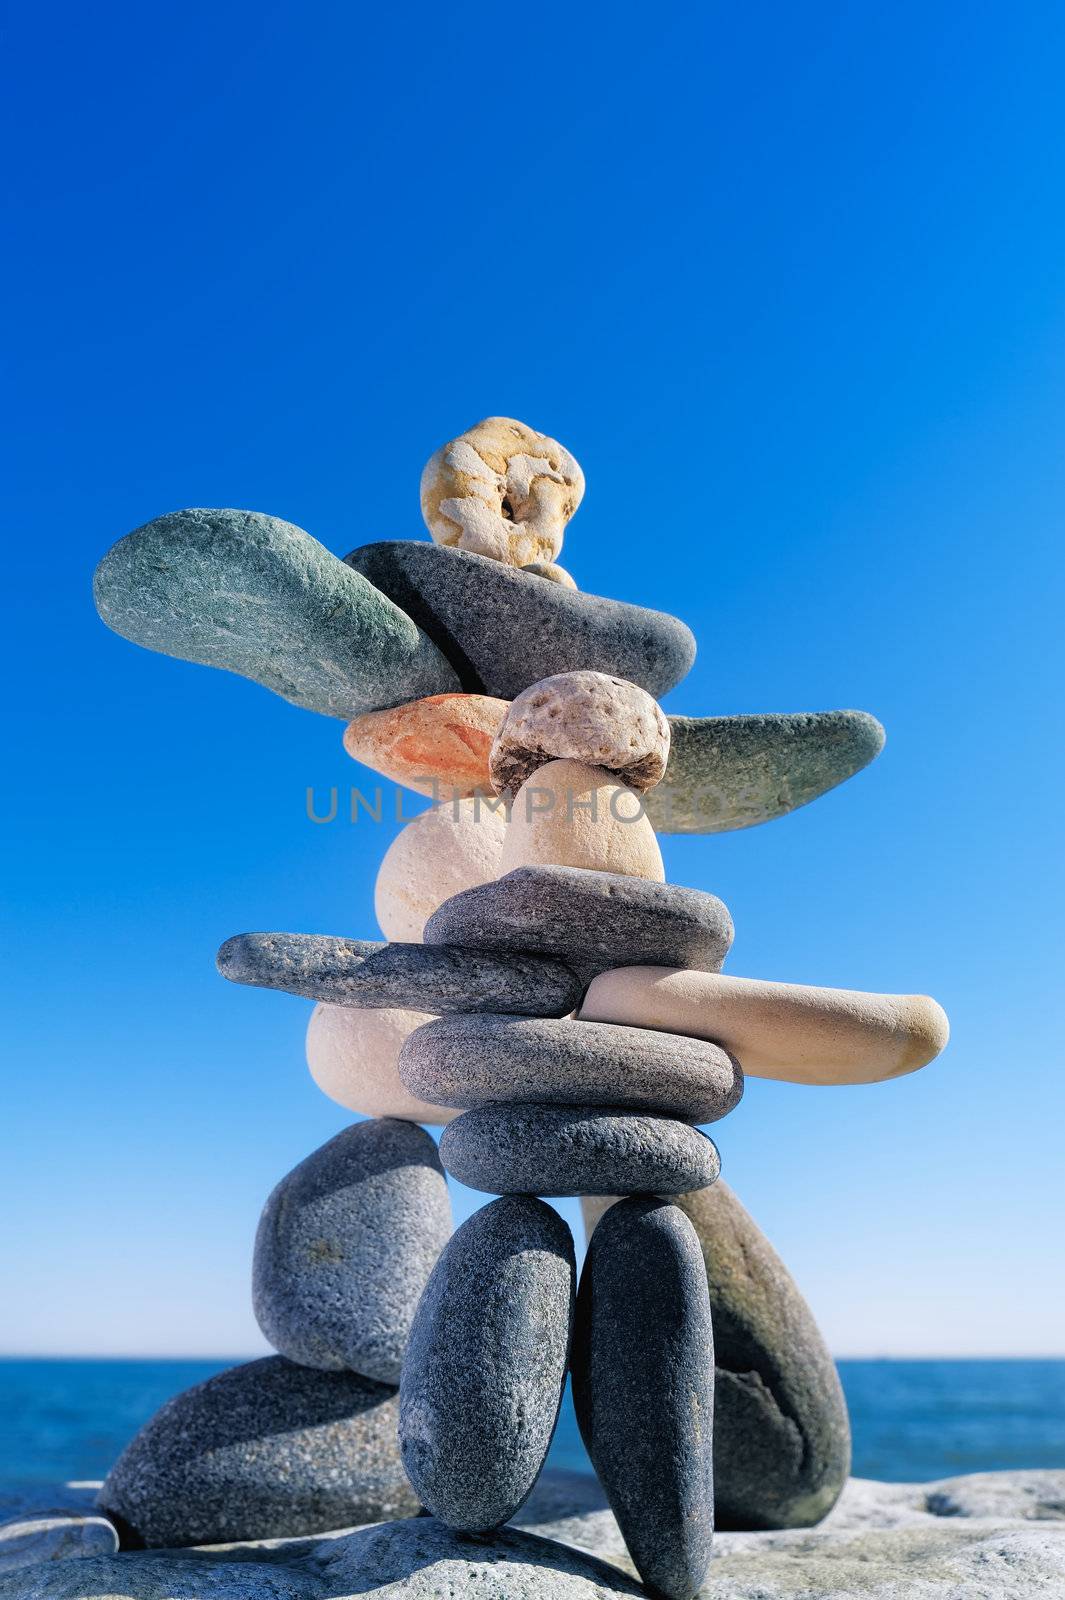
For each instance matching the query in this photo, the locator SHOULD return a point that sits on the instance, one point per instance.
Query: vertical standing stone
(486, 1363)
(643, 1387)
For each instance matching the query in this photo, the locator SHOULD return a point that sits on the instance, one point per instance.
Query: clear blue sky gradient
(790, 282)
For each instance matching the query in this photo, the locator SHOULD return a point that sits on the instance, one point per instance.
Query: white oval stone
(569, 814)
(353, 1058)
(790, 1031)
(448, 848)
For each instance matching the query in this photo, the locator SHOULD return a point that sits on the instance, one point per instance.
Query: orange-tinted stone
(445, 738)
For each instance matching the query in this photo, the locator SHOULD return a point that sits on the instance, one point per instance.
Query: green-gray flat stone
(731, 772)
(260, 597)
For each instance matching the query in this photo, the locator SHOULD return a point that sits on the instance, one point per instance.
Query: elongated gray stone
(734, 772)
(486, 1364)
(259, 597)
(570, 1150)
(373, 975)
(591, 920)
(643, 1388)
(485, 1060)
(503, 629)
(262, 1451)
(781, 1434)
(345, 1247)
(49, 1536)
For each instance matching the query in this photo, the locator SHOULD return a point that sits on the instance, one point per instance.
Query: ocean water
(912, 1420)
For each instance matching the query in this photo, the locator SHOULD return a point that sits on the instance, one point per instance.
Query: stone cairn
(546, 995)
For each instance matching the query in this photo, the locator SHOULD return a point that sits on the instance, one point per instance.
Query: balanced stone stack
(548, 997)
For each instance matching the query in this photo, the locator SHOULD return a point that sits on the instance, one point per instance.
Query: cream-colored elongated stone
(569, 814)
(450, 847)
(791, 1031)
(352, 1055)
(443, 739)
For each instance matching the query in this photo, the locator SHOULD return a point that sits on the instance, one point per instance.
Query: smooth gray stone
(781, 1433)
(486, 1363)
(54, 1536)
(503, 629)
(592, 920)
(643, 1388)
(370, 974)
(575, 1150)
(733, 772)
(259, 597)
(485, 1060)
(345, 1247)
(262, 1451)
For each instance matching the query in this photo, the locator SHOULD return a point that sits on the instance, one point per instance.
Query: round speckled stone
(474, 1061)
(486, 1363)
(345, 1247)
(575, 1150)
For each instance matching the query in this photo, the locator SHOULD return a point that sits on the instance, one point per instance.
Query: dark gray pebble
(267, 1450)
(592, 920)
(486, 1060)
(345, 1247)
(572, 1150)
(486, 1363)
(503, 629)
(643, 1388)
(370, 974)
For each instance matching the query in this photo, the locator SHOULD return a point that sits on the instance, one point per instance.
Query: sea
(912, 1421)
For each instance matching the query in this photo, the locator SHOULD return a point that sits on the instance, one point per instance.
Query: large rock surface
(502, 629)
(345, 1246)
(734, 772)
(261, 1451)
(988, 1536)
(781, 1433)
(261, 598)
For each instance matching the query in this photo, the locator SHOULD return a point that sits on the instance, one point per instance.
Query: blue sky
(789, 283)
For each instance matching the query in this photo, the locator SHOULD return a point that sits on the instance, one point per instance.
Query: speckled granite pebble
(345, 1247)
(781, 1434)
(441, 978)
(261, 598)
(486, 1363)
(643, 1388)
(592, 920)
(262, 1451)
(503, 629)
(734, 772)
(570, 1150)
(484, 1060)
(589, 717)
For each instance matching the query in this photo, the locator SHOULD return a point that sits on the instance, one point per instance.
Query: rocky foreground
(989, 1536)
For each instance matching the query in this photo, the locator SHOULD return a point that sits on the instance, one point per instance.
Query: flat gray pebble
(345, 1246)
(370, 974)
(643, 1388)
(734, 772)
(592, 920)
(486, 1060)
(259, 597)
(575, 1150)
(54, 1536)
(266, 1450)
(486, 1363)
(503, 629)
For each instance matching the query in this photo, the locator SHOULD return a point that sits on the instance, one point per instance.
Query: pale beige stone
(352, 1055)
(450, 847)
(444, 739)
(554, 574)
(569, 814)
(581, 716)
(502, 490)
(790, 1031)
